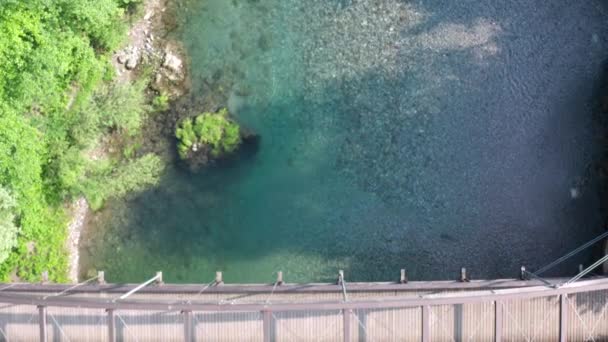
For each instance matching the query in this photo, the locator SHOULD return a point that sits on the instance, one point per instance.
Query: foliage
(161, 102)
(21, 162)
(53, 54)
(120, 106)
(8, 229)
(108, 181)
(216, 130)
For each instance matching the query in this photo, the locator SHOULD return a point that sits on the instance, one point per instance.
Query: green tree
(53, 54)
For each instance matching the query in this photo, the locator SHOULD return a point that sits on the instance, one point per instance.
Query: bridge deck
(505, 310)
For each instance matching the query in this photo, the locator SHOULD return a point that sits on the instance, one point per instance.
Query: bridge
(478, 310)
(531, 308)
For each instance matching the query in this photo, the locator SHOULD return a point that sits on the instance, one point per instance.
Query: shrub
(161, 102)
(116, 181)
(8, 228)
(215, 130)
(121, 106)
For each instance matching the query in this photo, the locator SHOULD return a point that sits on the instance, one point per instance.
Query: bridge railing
(575, 311)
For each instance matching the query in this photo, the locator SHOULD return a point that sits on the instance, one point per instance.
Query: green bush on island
(215, 130)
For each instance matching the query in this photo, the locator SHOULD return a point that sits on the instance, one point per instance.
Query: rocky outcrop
(130, 57)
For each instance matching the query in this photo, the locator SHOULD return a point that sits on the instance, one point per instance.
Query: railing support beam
(426, 324)
(42, 323)
(498, 311)
(111, 326)
(188, 336)
(267, 316)
(346, 318)
(563, 317)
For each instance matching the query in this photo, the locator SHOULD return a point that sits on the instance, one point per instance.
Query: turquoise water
(427, 135)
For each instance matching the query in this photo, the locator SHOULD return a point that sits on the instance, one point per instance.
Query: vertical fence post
(187, 326)
(563, 316)
(403, 276)
(426, 324)
(267, 316)
(42, 323)
(498, 310)
(346, 316)
(111, 326)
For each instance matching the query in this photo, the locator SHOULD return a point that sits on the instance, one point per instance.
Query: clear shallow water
(428, 135)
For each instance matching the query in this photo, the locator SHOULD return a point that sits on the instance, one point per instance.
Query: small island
(207, 137)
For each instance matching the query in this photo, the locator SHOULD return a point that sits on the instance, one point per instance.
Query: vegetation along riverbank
(78, 82)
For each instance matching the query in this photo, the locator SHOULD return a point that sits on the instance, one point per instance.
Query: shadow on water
(466, 153)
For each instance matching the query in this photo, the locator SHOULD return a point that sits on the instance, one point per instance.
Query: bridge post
(188, 326)
(426, 323)
(498, 311)
(42, 323)
(403, 277)
(563, 317)
(463, 275)
(111, 326)
(346, 318)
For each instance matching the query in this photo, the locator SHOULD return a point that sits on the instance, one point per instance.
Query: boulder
(132, 61)
(172, 62)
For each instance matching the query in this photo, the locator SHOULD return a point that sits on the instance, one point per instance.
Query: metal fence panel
(587, 318)
(76, 324)
(462, 322)
(135, 325)
(228, 326)
(531, 319)
(404, 324)
(18, 322)
(301, 325)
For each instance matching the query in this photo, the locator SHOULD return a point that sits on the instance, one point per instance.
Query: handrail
(436, 299)
(441, 285)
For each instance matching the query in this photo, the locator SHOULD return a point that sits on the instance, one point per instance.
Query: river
(427, 135)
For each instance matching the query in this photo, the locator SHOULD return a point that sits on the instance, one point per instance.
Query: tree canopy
(53, 54)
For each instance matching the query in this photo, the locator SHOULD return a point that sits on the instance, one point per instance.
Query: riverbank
(148, 55)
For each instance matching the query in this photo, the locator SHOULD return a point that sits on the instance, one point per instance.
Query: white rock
(132, 62)
(172, 62)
